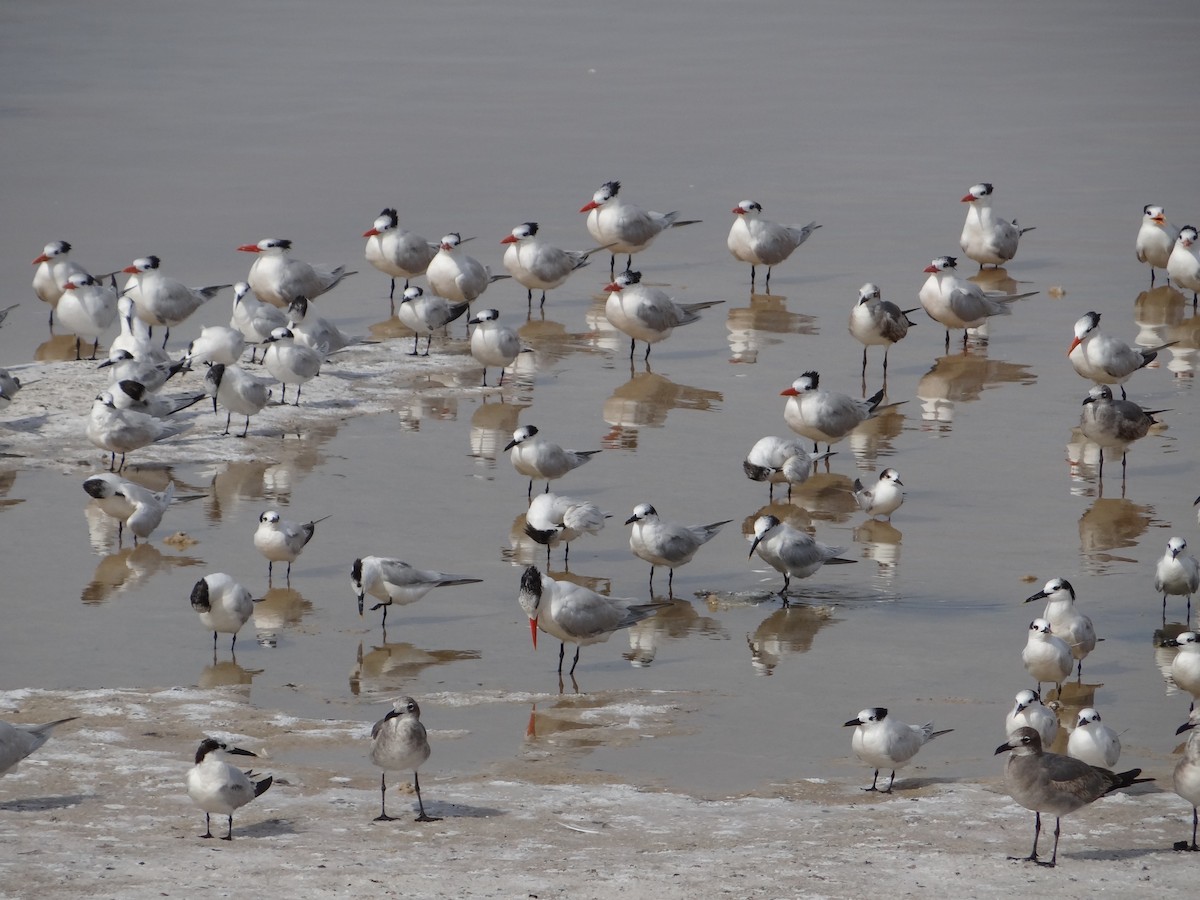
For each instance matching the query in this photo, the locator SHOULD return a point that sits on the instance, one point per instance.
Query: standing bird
(394, 581)
(238, 391)
(538, 265)
(667, 544)
(883, 497)
(125, 430)
(1046, 656)
(987, 238)
(536, 457)
(1105, 359)
(790, 551)
(1093, 742)
(957, 303)
(624, 227)
(426, 314)
(822, 415)
(223, 604)
(1053, 783)
(777, 460)
(1185, 667)
(313, 331)
(134, 338)
(160, 300)
(54, 269)
(1155, 239)
(217, 787)
(278, 278)
(885, 743)
(18, 741)
(290, 362)
(1186, 777)
(396, 252)
(282, 541)
(645, 313)
(1183, 266)
(875, 322)
(217, 344)
(1029, 710)
(1114, 424)
(493, 344)
(136, 507)
(552, 519)
(454, 275)
(1066, 620)
(86, 309)
(760, 242)
(399, 741)
(254, 318)
(1177, 573)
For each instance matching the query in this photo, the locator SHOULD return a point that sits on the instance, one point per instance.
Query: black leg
(383, 816)
(562, 651)
(576, 662)
(874, 780)
(891, 781)
(423, 817)
(229, 834)
(207, 827)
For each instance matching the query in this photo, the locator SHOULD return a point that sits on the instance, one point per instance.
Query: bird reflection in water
(644, 401)
(825, 497)
(767, 314)
(226, 673)
(786, 631)
(128, 569)
(961, 378)
(492, 425)
(881, 542)
(679, 620)
(427, 405)
(235, 483)
(873, 438)
(7, 478)
(1111, 524)
(386, 667)
(279, 608)
(57, 348)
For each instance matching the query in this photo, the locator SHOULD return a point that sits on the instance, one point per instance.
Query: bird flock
(273, 315)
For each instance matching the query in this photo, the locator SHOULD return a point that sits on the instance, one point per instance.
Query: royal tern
(987, 238)
(778, 460)
(238, 391)
(125, 430)
(883, 497)
(290, 362)
(1186, 776)
(493, 344)
(396, 252)
(254, 318)
(884, 743)
(1030, 711)
(160, 300)
(761, 242)
(426, 314)
(1177, 573)
(216, 344)
(957, 303)
(1093, 742)
(280, 540)
(1114, 424)
(1104, 359)
(1046, 656)
(536, 264)
(822, 415)
(552, 519)
(278, 278)
(149, 373)
(1185, 667)
(1054, 784)
(1155, 239)
(395, 582)
(1183, 266)
(399, 741)
(54, 269)
(455, 275)
(18, 741)
(575, 614)
(875, 322)
(1066, 621)
(623, 227)
(223, 604)
(790, 551)
(217, 787)
(645, 313)
(86, 309)
(669, 544)
(537, 458)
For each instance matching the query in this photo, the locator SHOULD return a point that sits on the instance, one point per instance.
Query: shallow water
(131, 130)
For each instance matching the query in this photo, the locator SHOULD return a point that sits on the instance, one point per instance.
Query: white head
(1026, 699)
(941, 264)
(1155, 214)
(1187, 235)
(270, 517)
(1175, 546)
(451, 240)
(978, 192)
(868, 291)
(747, 208)
(1039, 626)
(1087, 716)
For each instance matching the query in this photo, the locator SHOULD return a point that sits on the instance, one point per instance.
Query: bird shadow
(266, 828)
(41, 804)
(462, 811)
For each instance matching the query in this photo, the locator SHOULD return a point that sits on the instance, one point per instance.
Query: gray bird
(1114, 424)
(667, 544)
(792, 552)
(399, 741)
(18, 741)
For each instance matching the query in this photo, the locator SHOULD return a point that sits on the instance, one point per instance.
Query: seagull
(1186, 777)
(399, 741)
(1177, 573)
(86, 309)
(645, 313)
(125, 430)
(575, 614)
(282, 541)
(394, 581)
(987, 238)
(538, 265)
(223, 604)
(1155, 239)
(760, 242)
(1185, 667)
(884, 743)
(957, 303)
(217, 787)
(1066, 621)
(881, 499)
(822, 415)
(553, 518)
(1093, 742)
(456, 276)
(254, 318)
(54, 269)
(493, 344)
(425, 315)
(216, 344)
(290, 362)
(159, 300)
(536, 457)
(1114, 424)
(1046, 656)
(1053, 783)
(1029, 710)
(278, 278)
(791, 552)
(1105, 359)
(18, 741)
(1183, 266)
(396, 252)
(667, 544)
(778, 460)
(876, 322)
(623, 227)
(132, 505)
(238, 391)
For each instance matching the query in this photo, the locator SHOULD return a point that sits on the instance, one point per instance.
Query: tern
(217, 787)
(315, 332)
(18, 741)
(160, 300)
(875, 322)
(125, 430)
(1029, 710)
(136, 507)
(254, 318)
(1185, 667)
(396, 252)
(238, 391)
(1114, 424)
(426, 314)
(1046, 656)
(987, 238)
(150, 374)
(1066, 621)
(624, 227)
(790, 551)
(216, 344)
(290, 362)
(455, 275)
(223, 604)
(538, 265)
(957, 303)
(760, 242)
(1093, 742)
(278, 278)
(134, 338)
(399, 741)
(822, 415)
(883, 742)
(645, 313)
(1177, 573)
(86, 309)
(134, 395)
(1104, 359)
(669, 544)
(883, 497)
(54, 269)
(1186, 777)
(778, 460)
(493, 344)
(1155, 239)
(395, 582)
(1183, 266)
(537, 458)
(552, 519)
(280, 540)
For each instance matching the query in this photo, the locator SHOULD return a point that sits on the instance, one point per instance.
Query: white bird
(1186, 776)
(822, 415)
(669, 544)
(537, 458)
(875, 322)
(86, 309)
(313, 331)
(1155, 239)
(1114, 424)
(1046, 656)
(885, 743)
(1030, 711)
(136, 396)
(790, 551)
(1065, 619)
(290, 362)
(552, 519)
(883, 497)
(105, 489)
(395, 582)
(153, 375)
(455, 275)
(238, 391)
(223, 604)
(538, 265)
(778, 460)
(1183, 266)
(399, 741)
(396, 252)
(425, 314)
(254, 318)
(217, 787)
(493, 344)
(1185, 667)
(1104, 359)
(136, 507)
(54, 269)
(575, 614)
(280, 540)
(1177, 573)
(761, 242)
(134, 338)
(624, 227)
(18, 741)
(159, 300)
(216, 344)
(1053, 783)
(958, 303)
(1093, 742)
(278, 278)
(125, 430)
(987, 238)
(645, 313)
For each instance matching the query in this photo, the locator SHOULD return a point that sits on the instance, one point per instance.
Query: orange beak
(613, 287)
(249, 248)
(132, 270)
(511, 239)
(533, 631)
(738, 211)
(930, 269)
(371, 233)
(589, 207)
(1159, 220)
(790, 392)
(41, 259)
(969, 198)
(1075, 343)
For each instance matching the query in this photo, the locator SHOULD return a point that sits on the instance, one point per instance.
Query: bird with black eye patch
(395, 582)
(238, 391)
(790, 551)
(761, 242)
(217, 787)
(399, 741)
(882, 498)
(955, 302)
(1094, 742)
(224, 606)
(987, 238)
(282, 541)
(1114, 424)
(254, 318)
(162, 300)
(537, 458)
(125, 430)
(536, 264)
(1029, 710)
(1177, 573)
(1065, 619)
(493, 344)
(424, 314)
(669, 544)
(1104, 359)
(625, 227)
(396, 252)
(455, 275)
(646, 313)
(1183, 266)
(875, 322)
(277, 278)
(1155, 239)
(54, 269)
(291, 362)
(86, 309)
(778, 460)
(1046, 656)
(823, 415)
(883, 742)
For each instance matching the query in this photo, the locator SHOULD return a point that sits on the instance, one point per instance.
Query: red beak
(738, 211)
(613, 287)
(533, 631)
(930, 268)
(41, 259)
(590, 206)
(132, 270)
(1075, 343)
(511, 239)
(249, 248)
(969, 198)
(790, 392)
(371, 233)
